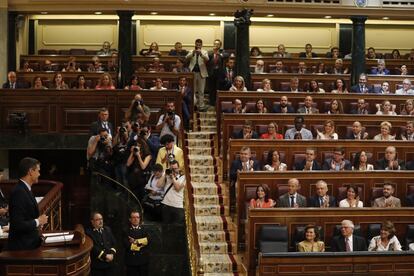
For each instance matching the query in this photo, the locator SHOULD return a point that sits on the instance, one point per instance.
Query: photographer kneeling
(173, 202)
(99, 152)
(169, 153)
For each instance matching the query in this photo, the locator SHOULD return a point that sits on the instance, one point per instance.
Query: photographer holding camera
(169, 122)
(170, 152)
(173, 202)
(121, 152)
(137, 110)
(99, 152)
(137, 166)
(152, 141)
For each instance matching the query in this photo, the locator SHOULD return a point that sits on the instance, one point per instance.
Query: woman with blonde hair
(385, 134)
(238, 85)
(105, 82)
(328, 132)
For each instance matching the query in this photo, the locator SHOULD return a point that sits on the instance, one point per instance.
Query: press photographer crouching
(99, 152)
(173, 202)
(154, 192)
(137, 167)
(169, 152)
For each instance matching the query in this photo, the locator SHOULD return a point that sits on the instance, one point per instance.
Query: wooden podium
(60, 260)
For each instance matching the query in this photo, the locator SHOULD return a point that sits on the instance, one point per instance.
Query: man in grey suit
(308, 107)
(292, 199)
(198, 59)
(387, 200)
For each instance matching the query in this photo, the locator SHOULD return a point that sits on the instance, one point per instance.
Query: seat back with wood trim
(273, 238)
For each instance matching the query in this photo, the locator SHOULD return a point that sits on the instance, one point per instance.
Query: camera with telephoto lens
(102, 139)
(171, 157)
(168, 171)
(139, 102)
(122, 130)
(136, 149)
(171, 113)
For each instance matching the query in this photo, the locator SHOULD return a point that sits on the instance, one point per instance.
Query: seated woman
(38, 83)
(134, 84)
(386, 108)
(26, 67)
(385, 134)
(273, 162)
(387, 240)
(340, 87)
(408, 108)
(361, 162)
(260, 107)
(328, 132)
(105, 82)
(58, 82)
(179, 66)
(255, 52)
(96, 65)
(314, 87)
(262, 199)
(385, 88)
(238, 85)
(352, 198)
(311, 243)
(80, 83)
(271, 133)
(152, 51)
(266, 86)
(396, 54)
(335, 107)
(158, 85)
(404, 70)
(320, 68)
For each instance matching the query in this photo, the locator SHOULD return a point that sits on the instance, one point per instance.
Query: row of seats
(72, 52)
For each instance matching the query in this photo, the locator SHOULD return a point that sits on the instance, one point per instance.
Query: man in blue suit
(362, 86)
(25, 220)
(380, 69)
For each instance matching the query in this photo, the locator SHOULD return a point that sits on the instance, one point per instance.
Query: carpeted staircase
(215, 229)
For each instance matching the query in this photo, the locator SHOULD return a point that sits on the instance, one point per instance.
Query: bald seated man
(292, 199)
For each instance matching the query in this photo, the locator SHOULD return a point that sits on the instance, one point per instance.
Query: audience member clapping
(58, 82)
(80, 83)
(298, 132)
(279, 68)
(134, 84)
(334, 53)
(178, 50)
(266, 86)
(386, 108)
(247, 132)
(294, 85)
(96, 65)
(335, 107)
(385, 134)
(387, 240)
(272, 133)
(357, 132)
(72, 66)
(390, 160)
(273, 162)
(12, 82)
(338, 68)
(337, 162)
(38, 83)
(405, 89)
(292, 198)
(361, 108)
(408, 134)
(105, 82)
(361, 162)
(281, 52)
(244, 163)
(158, 85)
(237, 107)
(302, 68)
(260, 107)
(314, 87)
(380, 69)
(153, 50)
(321, 199)
(308, 107)
(388, 200)
(311, 242)
(156, 66)
(106, 49)
(408, 108)
(309, 163)
(340, 87)
(328, 132)
(262, 199)
(26, 67)
(228, 73)
(238, 85)
(352, 198)
(362, 86)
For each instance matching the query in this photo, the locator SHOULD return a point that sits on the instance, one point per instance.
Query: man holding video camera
(169, 153)
(99, 152)
(169, 122)
(173, 202)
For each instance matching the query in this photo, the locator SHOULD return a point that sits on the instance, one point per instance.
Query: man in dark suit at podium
(25, 220)
(103, 250)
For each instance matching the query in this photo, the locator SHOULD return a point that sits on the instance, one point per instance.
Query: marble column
(242, 23)
(125, 42)
(358, 47)
(3, 40)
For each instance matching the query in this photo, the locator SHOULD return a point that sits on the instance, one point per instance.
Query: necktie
(307, 111)
(321, 202)
(292, 201)
(215, 59)
(347, 245)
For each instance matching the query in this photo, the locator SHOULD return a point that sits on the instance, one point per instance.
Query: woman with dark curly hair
(262, 199)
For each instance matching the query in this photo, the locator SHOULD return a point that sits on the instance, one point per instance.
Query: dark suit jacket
(338, 244)
(303, 55)
(410, 165)
(410, 200)
(374, 71)
(357, 89)
(103, 244)
(301, 165)
(95, 126)
(277, 109)
(327, 165)
(237, 165)
(284, 200)
(382, 164)
(315, 202)
(352, 137)
(303, 110)
(19, 85)
(136, 258)
(239, 135)
(4, 220)
(23, 211)
(220, 64)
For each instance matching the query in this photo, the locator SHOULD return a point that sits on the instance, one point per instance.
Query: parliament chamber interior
(249, 137)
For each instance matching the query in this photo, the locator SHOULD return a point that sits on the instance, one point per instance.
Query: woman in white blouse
(328, 132)
(386, 241)
(385, 134)
(361, 162)
(352, 198)
(273, 162)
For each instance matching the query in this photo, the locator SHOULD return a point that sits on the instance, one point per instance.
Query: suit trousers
(102, 272)
(200, 85)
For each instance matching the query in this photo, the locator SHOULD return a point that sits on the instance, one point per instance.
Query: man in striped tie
(347, 241)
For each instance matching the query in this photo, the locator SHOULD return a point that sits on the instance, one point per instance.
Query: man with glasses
(405, 89)
(337, 162)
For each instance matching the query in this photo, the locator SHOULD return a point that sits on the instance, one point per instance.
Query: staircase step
(201, 135)
(208, 114)
(208, 128)
(201, 143)
(205, 189)
(202, 178)
(215, 248)
(208, 121)
(213, 223)
(219, 236)
(200, 151)
(211, 210)
(201, 169)
(217, 263)
(211, 200)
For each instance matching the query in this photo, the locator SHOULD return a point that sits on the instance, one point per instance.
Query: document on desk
(58, 237)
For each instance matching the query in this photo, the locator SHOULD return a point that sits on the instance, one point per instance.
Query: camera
(143, 133)
(136, 149)
(102, 139)
(136, 125)
(168, 171)
(139, 102)
(170, 157)
(122, 130)
(171, 113)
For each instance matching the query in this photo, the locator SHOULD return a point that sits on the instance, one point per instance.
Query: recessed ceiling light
(154, 13)
(98, 12)
(270, 15)
(212, 14)
(327, 17)
(43, 12)
(385, 18)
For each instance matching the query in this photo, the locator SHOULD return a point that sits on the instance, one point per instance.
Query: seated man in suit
(408, 134)
(387, 200)
(309, 163)
(347, 241)
(405, 89)
(337, 162)
(279, 68)
(292, 199)
(283, 107)
(362, 86)
(237, 107)
(361, 108)
(302, 68)
(259, 68)
(339, 68)
(357, 132)
(102, 122)
(244, 163)
(308, 107)
(247, 132)
(380, 69)
(390, 161)
(12, 82)
(322, 199)
(298, 132)
(294, 85)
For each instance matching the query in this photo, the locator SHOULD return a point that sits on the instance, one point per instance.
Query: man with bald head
(12, 82)
(347, 241)
(292, 199)
(357, 132)
(283, 106)
(322, 199)
(390, 162)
